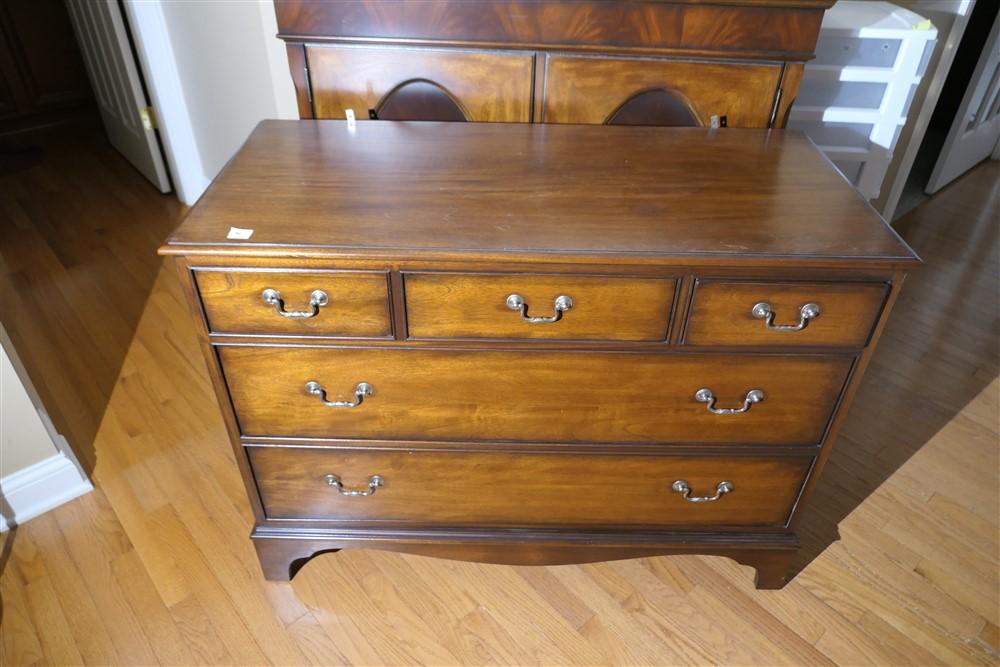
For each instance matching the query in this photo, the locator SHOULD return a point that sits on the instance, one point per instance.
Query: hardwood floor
(155, 565)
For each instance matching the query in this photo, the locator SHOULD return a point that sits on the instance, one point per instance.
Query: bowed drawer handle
(317, 300)
(361, 391)
(683, 488)
(374, 482)
(561, 305)
(763, 311)
(705, 395)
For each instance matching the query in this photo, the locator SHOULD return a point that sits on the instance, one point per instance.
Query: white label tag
(349, 114)
(239, 234)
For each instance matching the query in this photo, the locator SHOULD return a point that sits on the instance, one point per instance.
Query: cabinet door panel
(420, 84)
(644, 91)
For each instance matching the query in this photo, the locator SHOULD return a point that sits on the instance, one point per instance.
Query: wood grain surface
(445, 305)
(358, 302)
(486, 86)
(899, 551)
(582, 89)
(531, 396)
(488, 189)
(772, 28)
(722, 313)
(483, 489)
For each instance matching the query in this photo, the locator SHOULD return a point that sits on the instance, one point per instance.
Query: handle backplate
(683, 488)
(561, 304)
(374, 482)
(705, 395)
(317, 299)
(361, 391)
(763, 311)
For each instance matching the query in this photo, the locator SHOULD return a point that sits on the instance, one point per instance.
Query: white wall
(37, 468)
(23, 438)
(214, 69)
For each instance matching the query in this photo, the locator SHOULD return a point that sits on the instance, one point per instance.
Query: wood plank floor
(155, 565)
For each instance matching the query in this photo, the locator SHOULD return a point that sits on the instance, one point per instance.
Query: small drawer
(567, 307)
(792, 314)
(475, 489)
(348, 304)
(532, 395)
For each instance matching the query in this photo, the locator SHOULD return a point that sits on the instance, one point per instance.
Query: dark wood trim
(791, 77)
(681, 306)
(397, 298)
(777, 30)
(244, 251)
(735, 450)
(284, 552)
(298, 67)
(525, 344)
(706, 271)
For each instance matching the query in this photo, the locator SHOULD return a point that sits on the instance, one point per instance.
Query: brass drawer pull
(317, 300)
(561, 304)
(682, 487)
(705, 395)
(374, 482)
(361, 391)
(763, 311)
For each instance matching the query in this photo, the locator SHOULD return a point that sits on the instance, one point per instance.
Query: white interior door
(976, 129)
(114, 76)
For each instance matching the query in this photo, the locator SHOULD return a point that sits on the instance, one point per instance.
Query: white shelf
(872, 55)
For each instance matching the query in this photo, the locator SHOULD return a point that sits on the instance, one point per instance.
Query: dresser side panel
(218, 384)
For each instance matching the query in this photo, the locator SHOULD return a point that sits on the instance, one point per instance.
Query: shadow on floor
(79, 229)
(938, 352)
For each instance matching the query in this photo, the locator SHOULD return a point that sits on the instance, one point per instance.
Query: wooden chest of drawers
(534, 344)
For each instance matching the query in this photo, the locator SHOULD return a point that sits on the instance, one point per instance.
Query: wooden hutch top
(734, 63)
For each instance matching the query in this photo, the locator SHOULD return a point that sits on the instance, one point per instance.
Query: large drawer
(783, 313)
(523, 489)
(569, 307)
(298, 303)
(549, 396)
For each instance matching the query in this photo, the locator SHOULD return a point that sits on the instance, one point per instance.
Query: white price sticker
(239, 233)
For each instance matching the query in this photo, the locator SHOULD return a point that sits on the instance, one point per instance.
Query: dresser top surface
(444, 190)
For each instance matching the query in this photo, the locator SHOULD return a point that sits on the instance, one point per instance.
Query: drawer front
(727, 313)
(441, 305)
(644, 91)
(420, 84)
(551, 396)
(352, 303)
(461, 488)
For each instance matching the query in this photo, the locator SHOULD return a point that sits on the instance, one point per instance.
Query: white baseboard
(39, 488)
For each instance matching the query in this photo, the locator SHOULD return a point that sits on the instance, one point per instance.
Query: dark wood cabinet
(735, 63)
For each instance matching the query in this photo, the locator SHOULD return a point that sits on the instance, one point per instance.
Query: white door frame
(964, 147)
(156, 55)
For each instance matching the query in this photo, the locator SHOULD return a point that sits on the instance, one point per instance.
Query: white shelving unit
(855, 95)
